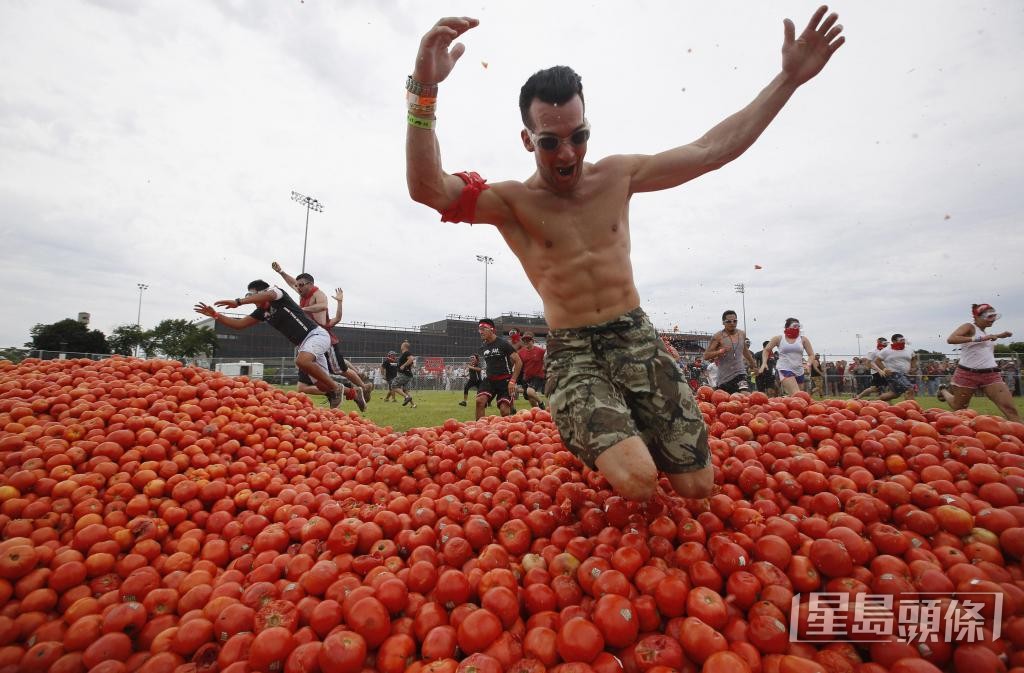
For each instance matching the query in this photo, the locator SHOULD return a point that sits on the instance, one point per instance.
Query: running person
(313, 301)
(877, 380)
(389, 370)
(618, 398)
(532, 376)
(473, 377)
(977, 367)
(730, 352)
(765, 380)
(403, 381)
(895, 364)
(502, 366)
(315, 358)
(790, 365)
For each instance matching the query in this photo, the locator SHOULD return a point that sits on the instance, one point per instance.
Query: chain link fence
(851, 375)
(845, 375)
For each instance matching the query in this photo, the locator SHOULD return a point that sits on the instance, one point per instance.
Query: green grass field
(434, 407)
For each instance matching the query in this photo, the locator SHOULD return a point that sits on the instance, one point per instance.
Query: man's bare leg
(352, 375)
(307, 363)
(629, 469)
(696, 485)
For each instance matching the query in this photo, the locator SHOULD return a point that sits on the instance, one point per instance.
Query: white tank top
(978, 354)
(791, 356)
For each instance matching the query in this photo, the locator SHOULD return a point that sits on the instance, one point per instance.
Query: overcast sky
(159, 142)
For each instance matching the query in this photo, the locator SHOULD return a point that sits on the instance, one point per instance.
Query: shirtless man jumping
(618, 398)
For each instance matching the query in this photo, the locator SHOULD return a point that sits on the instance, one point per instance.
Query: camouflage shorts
(616, 380)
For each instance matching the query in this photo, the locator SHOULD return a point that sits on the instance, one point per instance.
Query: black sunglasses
(552, 143)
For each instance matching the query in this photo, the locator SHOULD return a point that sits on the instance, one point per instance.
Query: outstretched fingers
(812, 25)
(460, 24)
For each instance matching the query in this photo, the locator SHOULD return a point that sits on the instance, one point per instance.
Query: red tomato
(615, 616)
(579, 640)
(343, 652)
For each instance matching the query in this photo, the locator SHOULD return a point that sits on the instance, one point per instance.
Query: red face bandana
(791, 332)
(898, 345)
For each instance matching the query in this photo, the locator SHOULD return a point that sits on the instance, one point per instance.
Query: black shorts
(471, 383)
(740, 384)
(536, 382)
(877, 380)
(496, 389)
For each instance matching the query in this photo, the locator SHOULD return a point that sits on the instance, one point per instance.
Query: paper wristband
(421, 123)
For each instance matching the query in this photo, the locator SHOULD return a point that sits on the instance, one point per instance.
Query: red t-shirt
(533, 362)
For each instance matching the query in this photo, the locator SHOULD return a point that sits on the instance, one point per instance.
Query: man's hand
(228, 303)
(804, 58)
(339, 295)
(1002, 335)
(206, 310)
(276, 267)
(434, 61)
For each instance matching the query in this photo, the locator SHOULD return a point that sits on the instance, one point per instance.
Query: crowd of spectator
(853, 377)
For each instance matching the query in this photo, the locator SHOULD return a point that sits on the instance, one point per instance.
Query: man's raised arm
(802, 59)
(428, 183)
(454, 196)
(288, 279)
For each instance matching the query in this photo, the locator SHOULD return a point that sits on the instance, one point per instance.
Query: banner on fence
(433, 364)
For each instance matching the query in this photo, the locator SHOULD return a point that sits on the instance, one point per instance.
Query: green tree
(15, 355)
(179, 338)
(125, 339)
(68, 335)
(925, 356)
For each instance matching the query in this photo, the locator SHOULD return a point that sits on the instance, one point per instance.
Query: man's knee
(696, 485)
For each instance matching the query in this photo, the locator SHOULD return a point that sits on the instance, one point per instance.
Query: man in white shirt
(895, 364)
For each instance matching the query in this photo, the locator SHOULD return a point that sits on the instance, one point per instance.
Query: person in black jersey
(473, 380)
(389, 369)
(501, 370)
(403, 382)
(315, 356)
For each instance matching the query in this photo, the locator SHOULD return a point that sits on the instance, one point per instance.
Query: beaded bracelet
(421, 122)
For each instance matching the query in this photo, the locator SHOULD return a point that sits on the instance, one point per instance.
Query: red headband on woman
(982, 308)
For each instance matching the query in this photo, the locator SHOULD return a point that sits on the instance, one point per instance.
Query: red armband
(464, 209)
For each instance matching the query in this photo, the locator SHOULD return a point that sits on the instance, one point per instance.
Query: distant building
(453, 338)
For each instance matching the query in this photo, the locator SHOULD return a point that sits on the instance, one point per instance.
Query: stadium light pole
(138, 317)
(742, 290)
(487, 262)
(858, 345)
(311, 204)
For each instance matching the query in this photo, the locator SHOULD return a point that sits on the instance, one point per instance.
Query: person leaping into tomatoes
(313, 301)
(315, 357)
(617, 396)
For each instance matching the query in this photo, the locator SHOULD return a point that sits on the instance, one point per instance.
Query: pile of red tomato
(161, 518)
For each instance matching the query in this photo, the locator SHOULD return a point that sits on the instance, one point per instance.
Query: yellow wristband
(421, 122)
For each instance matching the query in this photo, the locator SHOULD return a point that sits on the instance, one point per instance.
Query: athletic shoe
(359, 399)
(462, 403)
(335, 397)
(407, 400)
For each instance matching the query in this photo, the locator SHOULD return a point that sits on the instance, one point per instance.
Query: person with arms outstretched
(618, 398)
(315, 357)
(313, 301)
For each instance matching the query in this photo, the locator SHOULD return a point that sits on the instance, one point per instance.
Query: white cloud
(157, 143)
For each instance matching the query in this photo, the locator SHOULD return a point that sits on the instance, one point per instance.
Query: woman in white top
(790, 366)
(977, 367)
